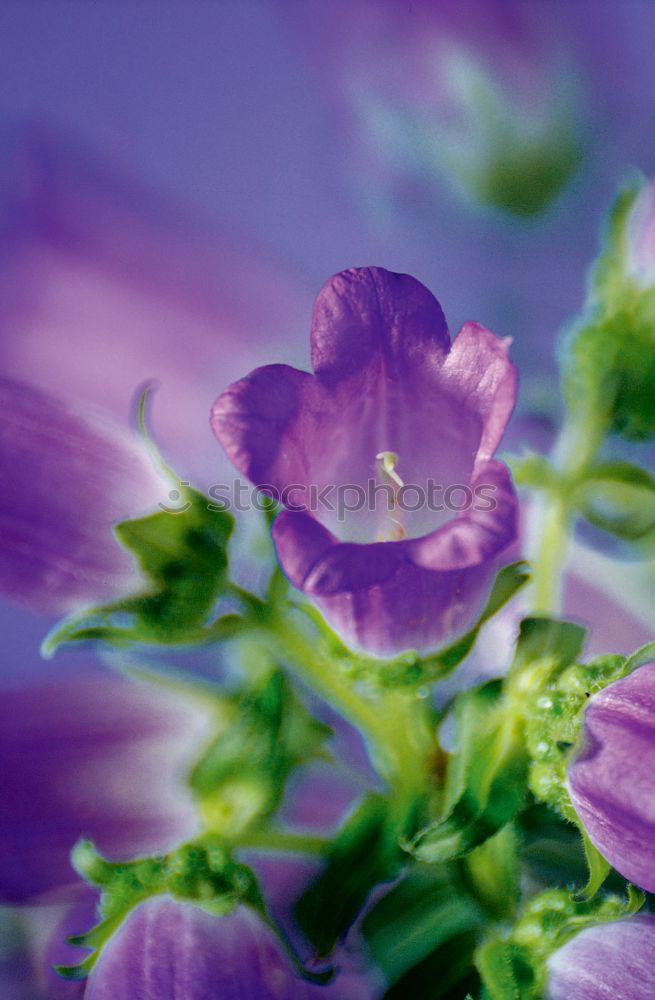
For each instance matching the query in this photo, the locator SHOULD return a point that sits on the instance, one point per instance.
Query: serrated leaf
(183, 557)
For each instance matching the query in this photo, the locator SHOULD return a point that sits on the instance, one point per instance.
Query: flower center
(392, 528)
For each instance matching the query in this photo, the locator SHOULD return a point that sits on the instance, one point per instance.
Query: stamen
(388, 460)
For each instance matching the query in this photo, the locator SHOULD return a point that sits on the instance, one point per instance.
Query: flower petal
(66, 480)
(477, 534)
(611, 781)
(479, 373)
(91, 754)
(316, 562)
(105, 284)
(415, 609)
(260, 423)
(370, 315)
(167, 950)
(613, 960)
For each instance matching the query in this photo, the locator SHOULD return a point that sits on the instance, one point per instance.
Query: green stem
(550, 554)
(278, 840)
(553, 515)
(391, 723)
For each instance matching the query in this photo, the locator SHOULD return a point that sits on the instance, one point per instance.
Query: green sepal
(598, 867)
(619, 498)
(512, 965)
(545, 646)
(486, 779)
(183, 558)
(365, 853)
(201, 871)
(241, 777)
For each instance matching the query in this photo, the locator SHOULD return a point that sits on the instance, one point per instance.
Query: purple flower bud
(66, 479)
(167, 950)
(640, 237)
(91, 754)
(394, 563)
(611, 781)
(607, 962)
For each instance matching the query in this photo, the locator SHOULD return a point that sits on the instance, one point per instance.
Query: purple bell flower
(397, 513)
(67, 477)
(166, 950)
(608, 962)
(91, 754)
(611, 780)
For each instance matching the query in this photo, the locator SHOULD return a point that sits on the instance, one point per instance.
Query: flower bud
(166, 950)
(640, 237)
(611, 779)
(608, 960)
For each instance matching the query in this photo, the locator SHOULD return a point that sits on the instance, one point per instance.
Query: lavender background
(232, 123)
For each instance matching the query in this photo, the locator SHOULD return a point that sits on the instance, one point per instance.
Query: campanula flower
(67, 477)
(611, 780)
(394, 406)
(168, 950)
(91, 754)
(613, 960)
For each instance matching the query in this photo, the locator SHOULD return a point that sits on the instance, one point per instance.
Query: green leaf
(364, 854)
(183, 557)
(242, 775)
(598, 867)
(620, 498)
(545, 646)
(486, 780)
(428, 909)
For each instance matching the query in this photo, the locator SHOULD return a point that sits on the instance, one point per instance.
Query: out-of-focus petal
(91, 754)
(104, 285)
(611, 779)
(67, 479)
(167, 950)
(609, 962)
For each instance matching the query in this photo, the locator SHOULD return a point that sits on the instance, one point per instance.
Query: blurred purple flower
(613, 960)
(91, 754)
(611, 779)
(640, 237)
(103, 286)
(167, 950)
(481, 93)
(67, 477)
(387, 379)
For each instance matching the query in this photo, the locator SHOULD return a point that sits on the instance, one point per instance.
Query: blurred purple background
(180, 178)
